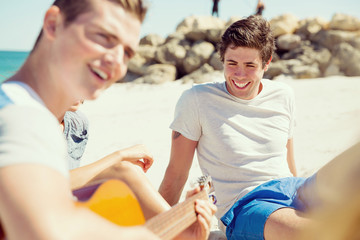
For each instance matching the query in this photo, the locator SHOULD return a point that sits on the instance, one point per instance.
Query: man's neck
(36, 74)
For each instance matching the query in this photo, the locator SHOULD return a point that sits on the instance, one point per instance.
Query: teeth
(240, 85)
(102, 74)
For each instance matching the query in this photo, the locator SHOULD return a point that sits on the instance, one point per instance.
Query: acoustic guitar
(115, 201)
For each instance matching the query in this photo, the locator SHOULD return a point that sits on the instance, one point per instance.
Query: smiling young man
(83, 48)
(242, 130)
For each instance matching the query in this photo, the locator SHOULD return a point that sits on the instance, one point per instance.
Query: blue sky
(20, 20)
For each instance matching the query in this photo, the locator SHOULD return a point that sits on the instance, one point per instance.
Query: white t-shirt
(241, 143)
(29, 132)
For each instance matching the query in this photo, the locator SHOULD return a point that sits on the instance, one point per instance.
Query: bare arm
(137, 155)
(181, 157)
(43, 208)
(290, 157)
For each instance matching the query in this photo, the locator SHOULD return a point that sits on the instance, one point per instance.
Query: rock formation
(309, 48)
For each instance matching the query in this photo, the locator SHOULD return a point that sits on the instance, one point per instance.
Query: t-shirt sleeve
(186, 118)
(31, 135)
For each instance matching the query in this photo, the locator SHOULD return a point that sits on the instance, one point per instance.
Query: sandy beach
(328, 115)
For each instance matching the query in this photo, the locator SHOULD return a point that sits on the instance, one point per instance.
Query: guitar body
(115, 201)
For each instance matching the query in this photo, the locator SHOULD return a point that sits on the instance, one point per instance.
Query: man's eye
(128, 54)
(105, 40)
(103, 36)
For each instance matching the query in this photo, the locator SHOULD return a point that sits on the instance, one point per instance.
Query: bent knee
(285, 223)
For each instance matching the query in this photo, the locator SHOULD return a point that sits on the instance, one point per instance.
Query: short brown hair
(251, 32)
(71, 9)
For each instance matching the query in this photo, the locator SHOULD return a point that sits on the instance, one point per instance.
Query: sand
(328, 117)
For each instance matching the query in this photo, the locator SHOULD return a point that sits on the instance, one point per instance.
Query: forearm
(181, 157)
(292, 168)
(290, 157)
(107, 167)
(82, 219)
(73, 223)
(172, 185)
(81, 176)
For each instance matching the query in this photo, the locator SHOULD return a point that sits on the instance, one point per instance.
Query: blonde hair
(73, 8)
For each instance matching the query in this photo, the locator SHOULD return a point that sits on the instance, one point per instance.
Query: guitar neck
(169, 224)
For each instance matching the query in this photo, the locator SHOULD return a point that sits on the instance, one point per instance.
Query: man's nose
(240, 72)
(115, 56)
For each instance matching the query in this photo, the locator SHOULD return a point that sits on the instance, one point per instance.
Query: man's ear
(51, 21)
(267, 64)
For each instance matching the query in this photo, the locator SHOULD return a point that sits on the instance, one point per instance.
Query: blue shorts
(246, 218)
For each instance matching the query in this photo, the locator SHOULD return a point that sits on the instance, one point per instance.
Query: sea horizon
(10, 62)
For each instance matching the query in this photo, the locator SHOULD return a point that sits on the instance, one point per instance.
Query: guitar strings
(164, 224)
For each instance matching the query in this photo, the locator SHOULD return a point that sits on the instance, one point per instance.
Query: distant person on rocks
(259, 8)
(215, 9)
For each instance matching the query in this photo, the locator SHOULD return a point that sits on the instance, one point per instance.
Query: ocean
(10, 62)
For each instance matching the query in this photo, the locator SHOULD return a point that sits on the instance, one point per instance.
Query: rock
(214, 35)
(199, 54)
(310, 26)
(192, 23)
(152, 40)
(158, 73)
(196, 35)
(170, 53)
(355, 42)
(344, 22)
(350, 58)
(284, 24)
(175, 36)
(199, 76)
(322, 57)
(147, 52)
(129, 77)
(305, 71)
(308, 55)
(137, 65)
(333, 69)
(276, 69)
(288, 41)
(215, 61)
(307, 48)
(331, 38)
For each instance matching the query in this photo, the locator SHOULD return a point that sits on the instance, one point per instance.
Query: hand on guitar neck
(187, 215)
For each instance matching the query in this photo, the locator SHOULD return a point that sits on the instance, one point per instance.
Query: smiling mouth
(241, 85)
(99, 73)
